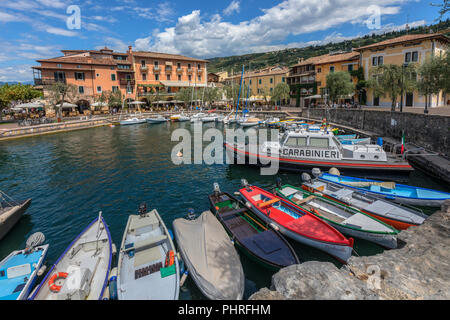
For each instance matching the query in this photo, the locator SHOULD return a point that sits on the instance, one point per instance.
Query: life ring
(51, 283)
(170, 258)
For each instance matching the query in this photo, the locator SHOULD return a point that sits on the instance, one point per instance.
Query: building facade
(134, 74)
(414, 48)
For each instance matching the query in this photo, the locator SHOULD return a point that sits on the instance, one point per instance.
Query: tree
(233, 93)
(445, 85)
(431, 74)
(60, 92)
(211, 94)
(184, 95)
(17, 92)
(265, 93)
(445, 8)
(391, 80)
(281, 92)
(114, 99)
(339, 84)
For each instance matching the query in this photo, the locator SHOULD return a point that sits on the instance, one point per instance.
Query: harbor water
(72, 176)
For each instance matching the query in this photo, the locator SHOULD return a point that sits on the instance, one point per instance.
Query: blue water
(72, 176)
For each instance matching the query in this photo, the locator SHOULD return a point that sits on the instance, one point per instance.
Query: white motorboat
(10, 212)
(159, 119)
(132, 121)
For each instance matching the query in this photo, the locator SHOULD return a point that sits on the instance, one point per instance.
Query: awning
(100, 104)
(29, 105)
(137, 102)
(181, 84)
(317, 96)
(67, 105)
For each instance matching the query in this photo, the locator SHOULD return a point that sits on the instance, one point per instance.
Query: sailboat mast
(240, 88)
(248, 90)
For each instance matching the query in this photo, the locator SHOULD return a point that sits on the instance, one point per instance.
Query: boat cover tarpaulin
(210, 257)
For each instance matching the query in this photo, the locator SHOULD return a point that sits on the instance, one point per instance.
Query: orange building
(134, 74)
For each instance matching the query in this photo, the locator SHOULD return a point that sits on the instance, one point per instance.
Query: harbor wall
(427, 131)
(417, 270)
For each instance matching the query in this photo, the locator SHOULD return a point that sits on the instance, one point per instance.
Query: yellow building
(262, 82)
(414, 48)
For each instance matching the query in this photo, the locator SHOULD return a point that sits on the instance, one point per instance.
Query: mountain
(290, 57)
(12, 83)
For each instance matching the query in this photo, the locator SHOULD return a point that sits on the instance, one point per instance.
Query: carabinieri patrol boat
(306, 149)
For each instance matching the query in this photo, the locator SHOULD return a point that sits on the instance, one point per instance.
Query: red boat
(296, 223)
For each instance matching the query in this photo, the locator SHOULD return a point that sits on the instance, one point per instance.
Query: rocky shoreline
(418, 270)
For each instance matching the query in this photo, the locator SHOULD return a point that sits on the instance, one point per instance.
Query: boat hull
(301, 165)
(10, 218)
(340, 252)
(156, 120)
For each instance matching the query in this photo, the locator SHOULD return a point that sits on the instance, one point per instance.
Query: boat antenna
(248, 90)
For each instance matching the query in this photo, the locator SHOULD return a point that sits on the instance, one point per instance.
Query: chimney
(130, 49)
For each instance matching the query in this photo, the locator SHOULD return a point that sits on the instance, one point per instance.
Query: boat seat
(232, 213)
(143, 222)
(147, 256)
(288, 191)
(268, 203)
(149, 243)
(342, 193)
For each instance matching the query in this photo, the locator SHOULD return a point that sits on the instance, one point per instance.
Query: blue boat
(346, 136)
(355, 141)
(400, 193)
(18, 271)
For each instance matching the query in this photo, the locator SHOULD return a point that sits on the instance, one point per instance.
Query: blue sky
(33, 29)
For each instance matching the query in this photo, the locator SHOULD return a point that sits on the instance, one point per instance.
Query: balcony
(125, 82)
(47, 81)
(143, 68)
(199, 71)
(168, 69)
(190, 71)
(156, 69)
(180, 70)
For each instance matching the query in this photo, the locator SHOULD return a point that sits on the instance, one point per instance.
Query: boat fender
(170, 233)
(114, 249)
(274, 227)
(51, 283)
(316, 172)
(183, 278)
(334, 171)
(41, 270)
(113, 288)
(170, 258)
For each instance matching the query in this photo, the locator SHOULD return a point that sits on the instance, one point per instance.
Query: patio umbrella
(100, 104)
(137, 102)
(29, 105)
(67, 105)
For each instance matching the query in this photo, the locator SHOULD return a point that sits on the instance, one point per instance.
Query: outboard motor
(244, 183)
(216, 189)
(306, 177)
(278, 182)
(36, 239)
(142, 209)
(191, 214)
(316, 172)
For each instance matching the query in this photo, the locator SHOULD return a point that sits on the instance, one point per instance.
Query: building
(213, 78)
(135, 74)
(413, 48)
(262, 82)
(307, 79)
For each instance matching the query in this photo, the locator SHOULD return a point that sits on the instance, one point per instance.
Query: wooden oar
(388, 185)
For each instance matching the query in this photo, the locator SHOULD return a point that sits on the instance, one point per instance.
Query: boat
(297, 223)
(361, 141)
(347, 220)
(10, 212)
(310, 148)
(249, 122)
(81, 272)
(209, 118)
(19, 270)
(346, 136)
(148, 266)
(179, 118)
(400, 217)
(198, 117)
(158, 119)
(392, 191)
(210, 257)
(132, 121)
(257, 239)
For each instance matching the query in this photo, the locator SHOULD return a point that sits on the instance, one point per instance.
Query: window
(250, 81)
(271, 80)
(112, 68)
(78, 67)
(113, 77)
(319, 70)
(199, 78)
(259, 81)
(99, 89)
(123, 66)
(319, 142)
(408, 57)
(199, 66)
(380, 60)
(283, 79)
(157, 77)
(143, 63)
(374, 61)
(190, 78)
(156, 63)
(81, 89)
(271, 89)
(168, 77)
(331, 68)
(98, 75)
(79, 75)
(179, 78)
(179, 65)
(115, 89)
(59, 65)
(350, 67)
(144, 77)
(189, 65)
(296, 142)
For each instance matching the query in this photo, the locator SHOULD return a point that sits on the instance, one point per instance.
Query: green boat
(347, 220)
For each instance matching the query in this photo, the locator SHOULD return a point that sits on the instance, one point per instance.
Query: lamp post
(404, 65)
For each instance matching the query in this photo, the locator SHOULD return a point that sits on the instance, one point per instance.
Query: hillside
(289, 57)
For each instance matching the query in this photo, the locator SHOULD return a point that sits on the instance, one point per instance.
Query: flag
(403, 143)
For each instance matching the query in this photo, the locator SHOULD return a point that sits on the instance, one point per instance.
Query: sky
(39, 29)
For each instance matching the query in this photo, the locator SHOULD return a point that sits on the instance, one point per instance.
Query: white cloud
(115, 44)
(234, 6)
(53, 3)
(22, 73)
(61, 32)
(6, 17)
(198, 37)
